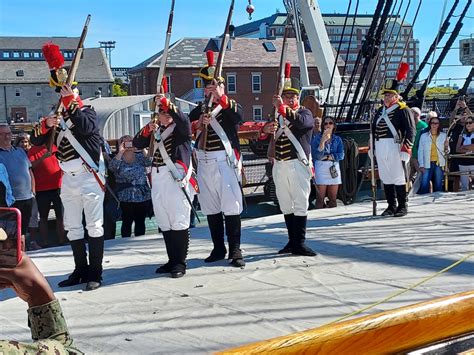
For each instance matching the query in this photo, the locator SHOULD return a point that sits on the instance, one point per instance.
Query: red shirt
(48, 174)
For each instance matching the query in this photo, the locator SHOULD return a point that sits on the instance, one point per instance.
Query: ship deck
(361, 259)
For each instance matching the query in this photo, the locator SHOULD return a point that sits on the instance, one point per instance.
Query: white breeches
(292, 185)
(218, 184)
(80, 192)
(390, 167)
(172, 209)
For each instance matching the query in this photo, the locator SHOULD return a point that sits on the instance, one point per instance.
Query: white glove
(404, 156)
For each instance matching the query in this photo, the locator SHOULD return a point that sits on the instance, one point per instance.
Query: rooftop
(191, 52)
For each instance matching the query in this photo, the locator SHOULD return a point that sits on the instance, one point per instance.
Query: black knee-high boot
(166, 268)
(232, 229)
(392, 203)
(216, 227)
(289, 221)
(96, 255)
(299, 247)
(402, 209)
(79, 275)
(179, 242)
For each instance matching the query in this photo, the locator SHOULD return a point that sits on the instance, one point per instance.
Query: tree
(119, 88)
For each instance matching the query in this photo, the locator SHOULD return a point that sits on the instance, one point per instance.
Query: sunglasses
(469, 122)
(329, 123)
(434, 123)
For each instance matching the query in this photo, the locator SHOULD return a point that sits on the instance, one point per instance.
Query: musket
(70, 78)
(218, 71)
(161, 86)
(280, 84)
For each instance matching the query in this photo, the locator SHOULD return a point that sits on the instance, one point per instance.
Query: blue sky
(138, 26)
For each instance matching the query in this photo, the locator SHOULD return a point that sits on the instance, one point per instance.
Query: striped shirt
(213, 141)
(284, 149)
(382, 130)
(66, 151)
(157, 157)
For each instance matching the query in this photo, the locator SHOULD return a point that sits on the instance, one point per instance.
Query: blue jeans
(434, 173)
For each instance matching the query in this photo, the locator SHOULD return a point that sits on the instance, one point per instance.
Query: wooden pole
(393, 331)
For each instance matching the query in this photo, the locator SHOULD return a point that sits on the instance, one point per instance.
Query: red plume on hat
(402, 71)
(164, 85)
(53, 56)
(210, 58)
(287, 70)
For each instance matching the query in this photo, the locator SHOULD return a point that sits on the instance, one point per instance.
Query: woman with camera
(431, 156)
(129, 167)
(327, 150)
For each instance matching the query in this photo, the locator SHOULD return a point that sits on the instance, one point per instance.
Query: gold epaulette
(402, 104)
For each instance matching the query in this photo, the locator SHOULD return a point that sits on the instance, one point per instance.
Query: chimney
(263, 31)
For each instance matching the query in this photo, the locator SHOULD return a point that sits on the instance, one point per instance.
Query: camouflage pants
(40, 347)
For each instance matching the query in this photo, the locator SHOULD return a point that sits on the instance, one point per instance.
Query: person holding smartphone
(327, 150)
(45, 317)
(129, 168)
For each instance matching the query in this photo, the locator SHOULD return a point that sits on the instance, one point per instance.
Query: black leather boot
(392, 203)
(402, 209)
(232, 230)
(96, 255)
(166, 268)
(299, 247)
(79, 275)
(179, 242)
(216, 227)
(289, 221)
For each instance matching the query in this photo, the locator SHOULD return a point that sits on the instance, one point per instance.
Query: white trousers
(172, 209)
(80, 192)
(465, 178)
(389, 164)
(218, 184)
(292, 185)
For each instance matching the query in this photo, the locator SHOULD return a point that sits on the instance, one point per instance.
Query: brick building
(273, 27)
(25, 94)
(250, 69)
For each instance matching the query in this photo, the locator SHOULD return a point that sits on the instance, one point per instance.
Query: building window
(231, 83)
(256, 82)
(36, 55)
(17, 92)
(257, 112)
(26, 55)
(38, 92)
(16, 54)
(6, 55)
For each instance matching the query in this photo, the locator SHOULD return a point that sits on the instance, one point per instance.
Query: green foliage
(434, 92)
(119, 88)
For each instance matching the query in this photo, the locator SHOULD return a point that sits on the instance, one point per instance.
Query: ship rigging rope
(349, 171)
(398, 293)
(376, 65)
(347, 54)
(339, 49)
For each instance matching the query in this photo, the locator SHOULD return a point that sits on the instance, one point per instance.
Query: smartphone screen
(10, 237)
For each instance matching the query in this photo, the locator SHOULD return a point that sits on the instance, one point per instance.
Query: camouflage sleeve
(48, 329)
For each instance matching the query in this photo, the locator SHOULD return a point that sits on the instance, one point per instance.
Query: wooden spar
(161, 74)
(70, 79)
(393, 331)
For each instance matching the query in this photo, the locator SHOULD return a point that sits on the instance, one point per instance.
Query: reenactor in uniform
(45, 317)
(80, 157)
(394, 130)
(219, 166)
(171, 180)
(292, 170)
